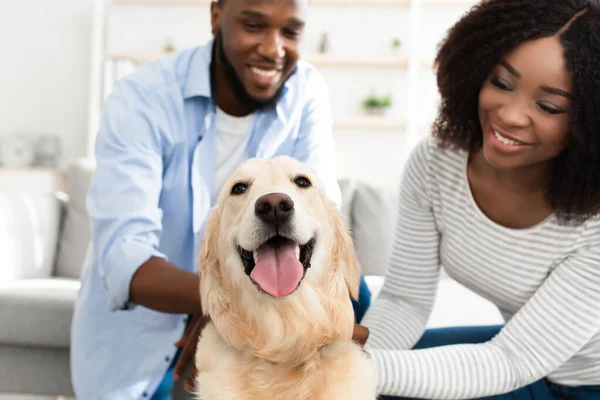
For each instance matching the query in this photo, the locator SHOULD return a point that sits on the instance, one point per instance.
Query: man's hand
(360, 334)
(161, 286)
(188, 343)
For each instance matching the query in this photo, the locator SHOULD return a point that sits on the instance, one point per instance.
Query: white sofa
(43, 239)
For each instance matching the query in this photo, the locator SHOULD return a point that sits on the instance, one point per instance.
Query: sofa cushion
(43, 371)
(76, 227)
(347, 189)
(37, 311)
(373, 219)
(29, 223)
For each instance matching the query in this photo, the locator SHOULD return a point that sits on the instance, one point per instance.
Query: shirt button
(144, 394)
(167, 358)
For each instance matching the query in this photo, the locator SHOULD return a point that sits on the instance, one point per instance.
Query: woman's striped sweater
(545, 280)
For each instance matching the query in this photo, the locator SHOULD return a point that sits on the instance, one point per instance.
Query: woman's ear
(343, 251)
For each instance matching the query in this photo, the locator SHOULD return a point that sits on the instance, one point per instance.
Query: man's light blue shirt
(150, 194)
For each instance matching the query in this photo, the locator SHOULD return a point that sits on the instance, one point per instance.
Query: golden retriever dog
(278, 269)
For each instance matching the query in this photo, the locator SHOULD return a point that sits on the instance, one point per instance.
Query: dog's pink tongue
(277, 270)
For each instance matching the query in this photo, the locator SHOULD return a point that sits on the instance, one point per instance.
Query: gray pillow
(373, 220)
(76, 226)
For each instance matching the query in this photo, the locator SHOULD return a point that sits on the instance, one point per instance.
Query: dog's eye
(302, 182)
(239, 188)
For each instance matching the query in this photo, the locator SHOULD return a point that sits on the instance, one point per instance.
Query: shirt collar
(198, 80)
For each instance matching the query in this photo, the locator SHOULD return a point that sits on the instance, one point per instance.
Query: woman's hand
(188, 343)
(360, 334)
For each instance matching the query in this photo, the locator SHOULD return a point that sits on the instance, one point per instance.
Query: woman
(506, 196)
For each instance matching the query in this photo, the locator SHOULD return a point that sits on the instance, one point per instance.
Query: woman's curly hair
(475, 45)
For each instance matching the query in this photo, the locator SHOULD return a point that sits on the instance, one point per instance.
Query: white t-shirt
(233, 134)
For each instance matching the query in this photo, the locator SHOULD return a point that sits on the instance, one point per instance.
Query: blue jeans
(540, 390)
(163, 392)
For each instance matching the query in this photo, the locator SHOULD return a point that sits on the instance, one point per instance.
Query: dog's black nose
(274, 208)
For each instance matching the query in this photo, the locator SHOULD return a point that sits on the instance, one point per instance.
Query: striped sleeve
(398, 316)
(552, 326)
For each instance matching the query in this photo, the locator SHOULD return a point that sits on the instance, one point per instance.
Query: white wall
(44, 69)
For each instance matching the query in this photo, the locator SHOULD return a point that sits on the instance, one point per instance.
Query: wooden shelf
(138, 58)
(317, 60)
(427, 64)
(449, 3)
(367, 122)
(374, 62)
(314, 3)
(32, 179)
(151, 3)
(27, 170)
(361, 3)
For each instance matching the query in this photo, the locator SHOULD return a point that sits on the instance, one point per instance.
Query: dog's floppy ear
(343, 251)
(208, 267)
(208, 248)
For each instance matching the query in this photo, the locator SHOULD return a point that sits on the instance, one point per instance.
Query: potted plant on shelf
(169, 46)
(396, 44)
(377, 105)
(324, 43)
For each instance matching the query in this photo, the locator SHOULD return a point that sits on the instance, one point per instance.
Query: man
(170, 135)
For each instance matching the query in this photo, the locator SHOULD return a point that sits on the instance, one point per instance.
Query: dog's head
(277, 263)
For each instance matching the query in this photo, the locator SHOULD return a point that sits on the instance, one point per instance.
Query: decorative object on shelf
(16, 152)
(377, 105)
(169, 46)
(48, 151)
(324, 43)
(396, 44)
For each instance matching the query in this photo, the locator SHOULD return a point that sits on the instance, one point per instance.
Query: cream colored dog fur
(260, 346)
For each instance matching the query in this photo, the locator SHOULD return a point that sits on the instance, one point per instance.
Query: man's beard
(239, 91)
